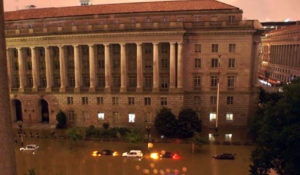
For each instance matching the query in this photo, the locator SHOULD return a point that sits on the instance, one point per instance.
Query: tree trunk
(7, 151)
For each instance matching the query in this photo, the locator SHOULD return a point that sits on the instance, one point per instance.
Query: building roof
(141, 7)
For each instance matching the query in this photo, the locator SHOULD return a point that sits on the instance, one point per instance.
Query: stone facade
(135, 63)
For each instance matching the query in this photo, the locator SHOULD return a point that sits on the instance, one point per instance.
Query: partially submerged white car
(30, 147)
(133, 154)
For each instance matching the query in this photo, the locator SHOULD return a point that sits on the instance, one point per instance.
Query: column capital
(173, 42)
(155, 43)
(91, 44)
(75, 45)
(139, 43)
(122, 43)
(106, 44)
(180, 42)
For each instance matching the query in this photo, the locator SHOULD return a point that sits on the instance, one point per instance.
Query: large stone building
(280, 59)
(121, 63)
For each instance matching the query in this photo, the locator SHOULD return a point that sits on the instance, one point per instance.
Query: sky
(263, 10)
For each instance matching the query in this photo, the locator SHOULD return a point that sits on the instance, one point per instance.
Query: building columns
(48, 69)
(172, 66)
(107, 67)
(8, 60)
(180, 67)
(62, 69)
(155, 67)
(35, 71)
(92, 62)
(139, 67)
(21, 65)
(123, 68)
(77, 68)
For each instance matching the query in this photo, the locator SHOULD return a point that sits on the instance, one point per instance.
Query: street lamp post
(148, 130)
(218, 97)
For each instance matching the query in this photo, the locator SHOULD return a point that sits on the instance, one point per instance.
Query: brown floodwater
(61, 157)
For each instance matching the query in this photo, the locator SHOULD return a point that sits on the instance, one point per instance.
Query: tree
(135, 137)
(105, 125)
(61, 120)
(188, 123)
(74, 134)
(277, 133)
(166, 123)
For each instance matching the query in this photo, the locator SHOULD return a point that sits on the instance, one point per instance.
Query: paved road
(60, 157)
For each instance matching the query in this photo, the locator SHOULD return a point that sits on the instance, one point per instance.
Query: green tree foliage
(188, 123)
(135, 137)
(75, 134)
(61, 120)
(166, 123)
(105, 125)
(276, 130)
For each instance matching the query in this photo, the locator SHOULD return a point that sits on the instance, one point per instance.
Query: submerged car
(31, 147)
(224, 156)
(133, 154)
(105, 152)
(169, 155)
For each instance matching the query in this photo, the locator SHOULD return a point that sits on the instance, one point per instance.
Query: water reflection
(60, 157)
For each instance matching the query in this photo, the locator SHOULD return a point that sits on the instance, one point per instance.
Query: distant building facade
(280, 58)
(121, 63)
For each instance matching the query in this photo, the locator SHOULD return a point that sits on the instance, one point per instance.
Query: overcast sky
(264, 10)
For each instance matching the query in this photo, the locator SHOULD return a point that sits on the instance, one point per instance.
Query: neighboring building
(269, 26)
(121, 63)
(280, 58)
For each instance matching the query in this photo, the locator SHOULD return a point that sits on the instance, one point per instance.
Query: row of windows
(213, 81)
(215, 48)
(101, 116)
(213, 100)
(115, 100)
(213, 116)
(215, 62)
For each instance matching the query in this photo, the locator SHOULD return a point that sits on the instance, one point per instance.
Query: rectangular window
(164, 83)
(213, 81)
(230, 81)
(228, 137)
(231, 63)
(231, 18)
(84, 100)
(85, 115)
(197, 100)
(214, 48)
(198, 63)
(232, 48)
(164, 63)
(230, 100)
(100, 116)
(212, 116)
(214, 62)
(69, 100)
(213, 100)
(229, 116)
(71, 116)
(163, 101)
(116, 117)
(198, 48)
(197, 81)
(211, 137)
(101, 64)
(131, 118)
(115, 100)
(147, 101)
(99, 100)
(131, 100)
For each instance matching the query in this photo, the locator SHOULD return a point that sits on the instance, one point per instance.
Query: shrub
(91, 131)
(198, 140)
(134, 137)
(74, 134)
(166, 123)
(105, 125)
(61, 120)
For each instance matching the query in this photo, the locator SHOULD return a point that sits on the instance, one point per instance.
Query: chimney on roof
(85, 2)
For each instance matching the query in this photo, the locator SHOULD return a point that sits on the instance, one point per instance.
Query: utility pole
(218, 97)
(7, 151)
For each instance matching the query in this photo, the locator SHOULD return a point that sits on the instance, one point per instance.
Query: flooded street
(61, 157)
